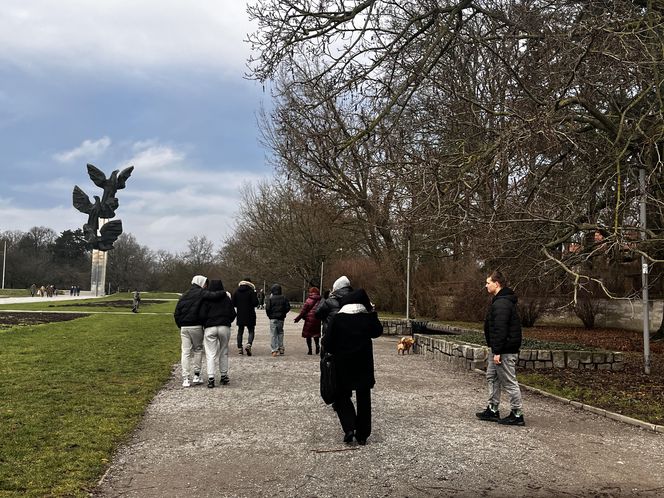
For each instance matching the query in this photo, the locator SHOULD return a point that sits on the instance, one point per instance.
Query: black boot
(309, 345)
(317, 341)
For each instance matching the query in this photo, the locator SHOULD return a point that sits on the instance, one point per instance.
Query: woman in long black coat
(348, 339)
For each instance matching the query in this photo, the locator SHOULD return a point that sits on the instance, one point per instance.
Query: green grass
(71, 392)
(14, 292)
(45, 304)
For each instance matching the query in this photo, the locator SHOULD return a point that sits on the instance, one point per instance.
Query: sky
(155, 84)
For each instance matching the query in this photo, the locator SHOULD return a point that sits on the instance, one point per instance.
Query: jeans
(276, 335)
(250, 336)
(192, 348)
(503, 375)
(216, 349)
(359, 421)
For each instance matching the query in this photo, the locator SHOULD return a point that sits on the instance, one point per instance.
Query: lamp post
(4, 262)
(644, 275)
(408, 283)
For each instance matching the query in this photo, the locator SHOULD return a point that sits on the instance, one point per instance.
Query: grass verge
(71, 392)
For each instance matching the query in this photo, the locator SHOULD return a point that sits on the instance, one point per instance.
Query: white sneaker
(185, 383)
(197, 379)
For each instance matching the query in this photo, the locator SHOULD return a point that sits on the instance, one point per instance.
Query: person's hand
(496, 359)
(297, 319)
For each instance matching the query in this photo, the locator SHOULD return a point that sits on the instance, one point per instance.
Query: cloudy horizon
(157, 85)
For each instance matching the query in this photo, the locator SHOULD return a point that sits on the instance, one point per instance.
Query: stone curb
(592, 409)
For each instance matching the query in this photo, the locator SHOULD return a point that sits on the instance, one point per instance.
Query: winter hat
(340, 283)
(199, 280)
(358, 296)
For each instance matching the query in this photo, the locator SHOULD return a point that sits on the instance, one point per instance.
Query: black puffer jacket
(276, 306)
(219, 312)
(187, 310)
(502, 326)
(245, 302)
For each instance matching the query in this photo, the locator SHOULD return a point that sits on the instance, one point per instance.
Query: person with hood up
(277, 307)
(217, 317)
(349, 341)
(502, 331)
(329, 307)
(187, 317)
(311, 328)
(245, 302)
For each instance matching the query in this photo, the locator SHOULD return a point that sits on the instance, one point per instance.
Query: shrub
(529, 311)
(587, 310)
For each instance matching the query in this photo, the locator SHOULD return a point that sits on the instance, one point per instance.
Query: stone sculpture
(101, 238)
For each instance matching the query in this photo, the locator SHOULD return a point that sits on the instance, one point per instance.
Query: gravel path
(269, 434)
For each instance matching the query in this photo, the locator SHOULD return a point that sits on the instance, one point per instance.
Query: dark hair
(498, 277)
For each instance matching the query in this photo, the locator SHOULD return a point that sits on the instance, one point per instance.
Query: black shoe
(361, 442)
(240, 350)
(512, 419)
(317, 350)
(247, 348)
(310, 352)
(488, 415)
(348, 438)
(224, 380)
(210, 382)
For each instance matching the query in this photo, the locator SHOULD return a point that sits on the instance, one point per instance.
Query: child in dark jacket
(276, 308)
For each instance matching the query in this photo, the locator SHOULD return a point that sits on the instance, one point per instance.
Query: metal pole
(644, 276)
(4, 261)
(321, 278)
(304, 289)
(408, 283)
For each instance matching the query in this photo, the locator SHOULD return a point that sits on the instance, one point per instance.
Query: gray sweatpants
(192, 350)
(503, 375)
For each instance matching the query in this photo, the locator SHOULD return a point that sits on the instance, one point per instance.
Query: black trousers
(359, 421)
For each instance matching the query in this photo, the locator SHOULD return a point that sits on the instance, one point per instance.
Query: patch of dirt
(631, 392)
(120, 303)
(9, 319)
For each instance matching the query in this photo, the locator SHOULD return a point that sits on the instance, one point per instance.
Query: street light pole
(644, 275)
(408, 282)
(4, 261)
(321, 277)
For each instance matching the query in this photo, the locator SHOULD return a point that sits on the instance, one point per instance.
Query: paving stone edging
(589, 408)
(471, 355)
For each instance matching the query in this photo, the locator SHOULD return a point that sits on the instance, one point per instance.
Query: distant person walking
(245, 302)
(187, 317)
(33, 290)
(217, 317)
(349, 341)
(276, 309)
(502, 331)
(136, 301)
(311, 328)
(260, 295)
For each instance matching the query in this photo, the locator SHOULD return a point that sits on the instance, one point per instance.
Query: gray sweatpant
(192, 350)
(503, 375)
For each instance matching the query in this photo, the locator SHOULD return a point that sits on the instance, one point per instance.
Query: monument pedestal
(98, 273)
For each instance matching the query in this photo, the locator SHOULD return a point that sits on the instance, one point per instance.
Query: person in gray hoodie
(277, 307)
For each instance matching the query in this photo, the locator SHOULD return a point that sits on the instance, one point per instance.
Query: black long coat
(245, 302)
(348, 338)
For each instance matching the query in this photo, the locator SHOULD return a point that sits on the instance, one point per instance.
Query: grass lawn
(71, 392)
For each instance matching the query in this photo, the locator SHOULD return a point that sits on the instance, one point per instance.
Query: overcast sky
(157, 84)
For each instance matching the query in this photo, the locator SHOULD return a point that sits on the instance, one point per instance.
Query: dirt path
(269, 434)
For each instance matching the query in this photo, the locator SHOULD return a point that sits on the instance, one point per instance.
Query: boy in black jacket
(276, 308)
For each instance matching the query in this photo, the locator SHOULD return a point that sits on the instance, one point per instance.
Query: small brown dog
(404, 345)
